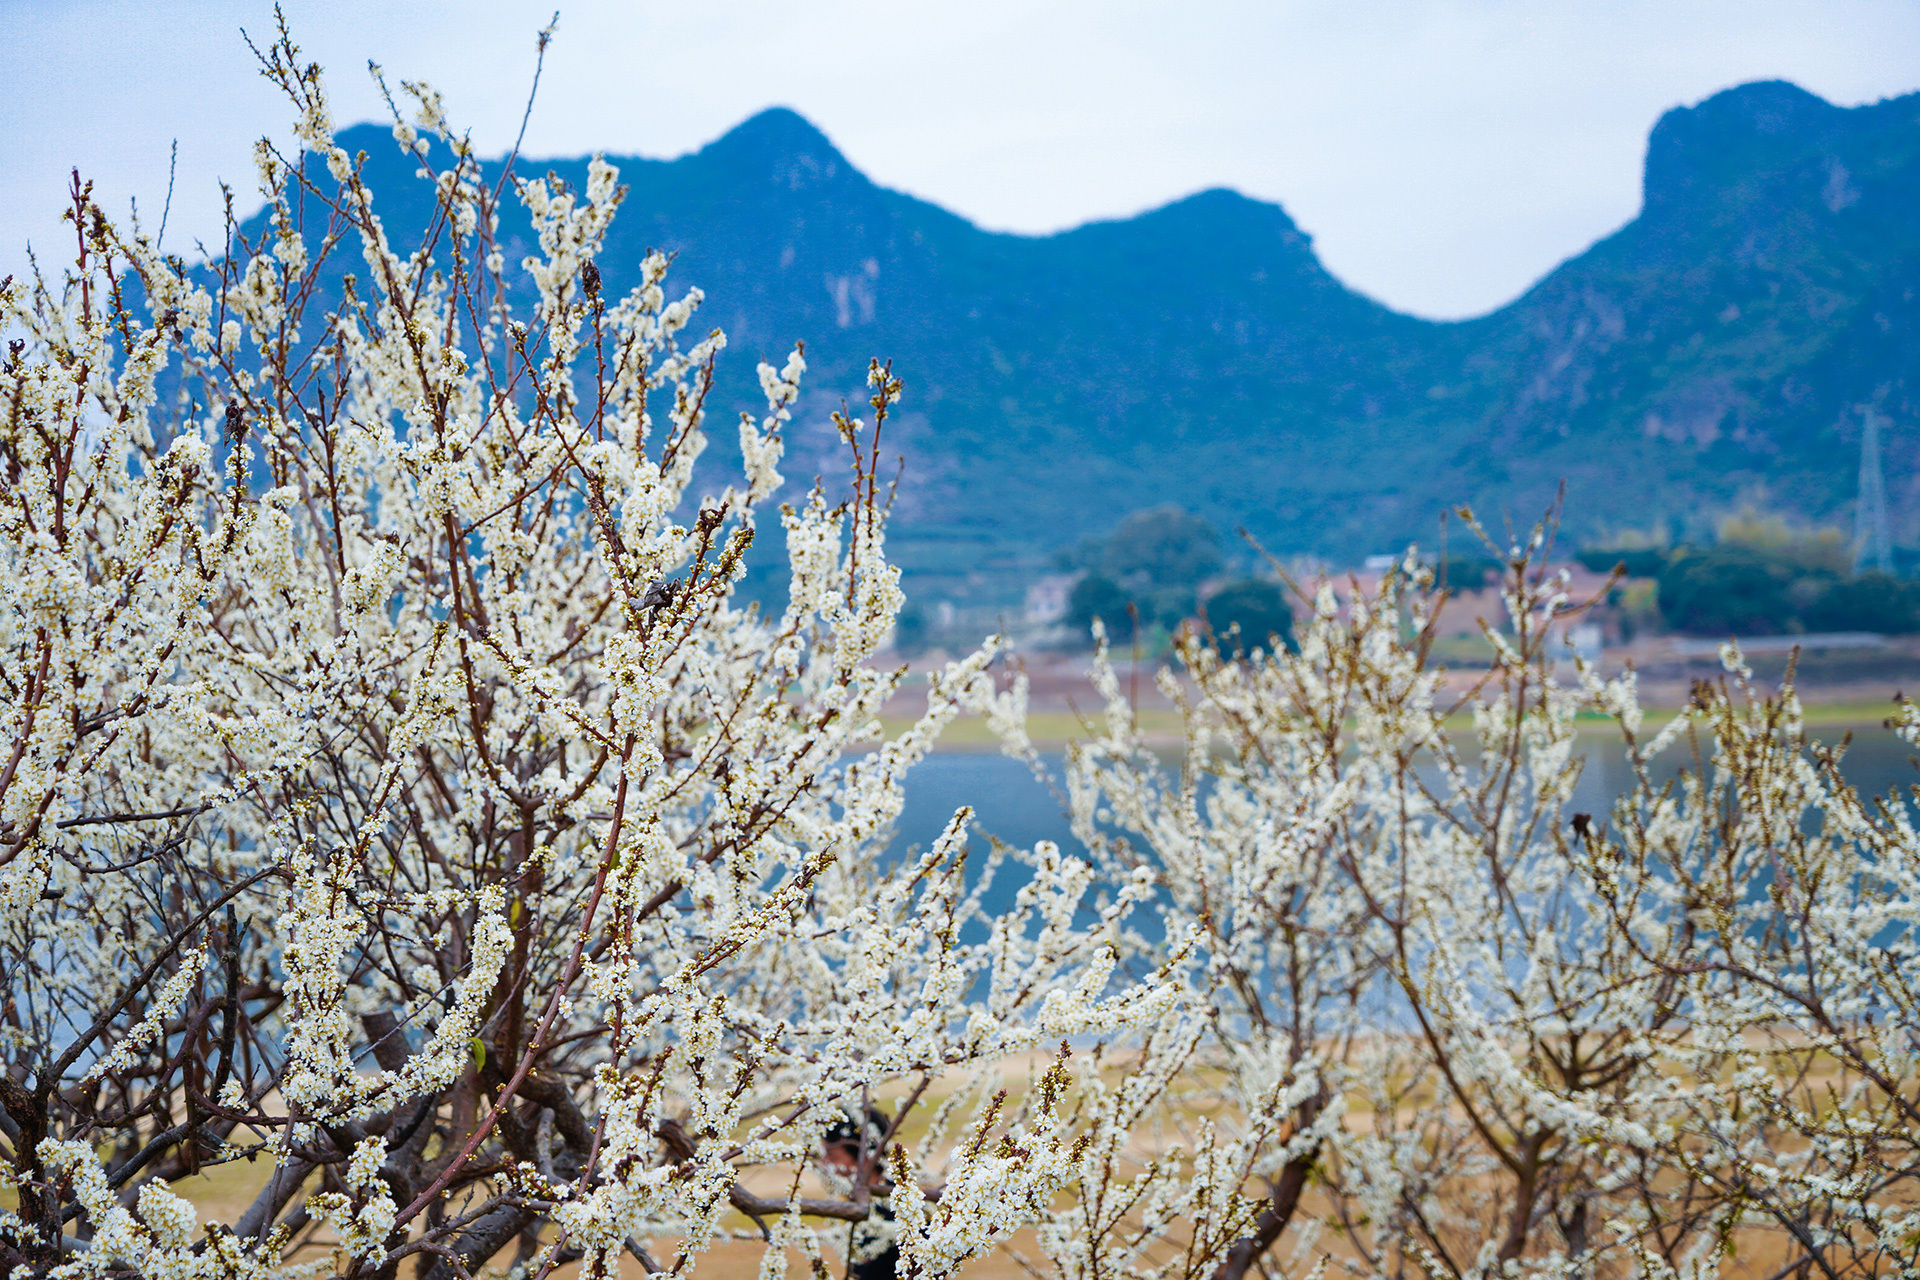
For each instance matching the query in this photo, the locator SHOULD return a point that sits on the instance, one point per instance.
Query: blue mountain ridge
(1712, 352)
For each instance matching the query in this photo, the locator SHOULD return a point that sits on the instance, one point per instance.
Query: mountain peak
(1763, 107)
(1234, 207)
(782, 145)
(1712, 144)
(776, 128)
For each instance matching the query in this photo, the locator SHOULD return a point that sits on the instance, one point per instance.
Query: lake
(1015, 806)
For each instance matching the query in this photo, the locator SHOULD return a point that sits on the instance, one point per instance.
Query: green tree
(910, 630)
(1163, 547)
(1729, 590)
(1636, 562)
(1098, 596)
(1870, 602)
(1250, 614)
(1804, 547)
(1466, 573)
(1155, 561)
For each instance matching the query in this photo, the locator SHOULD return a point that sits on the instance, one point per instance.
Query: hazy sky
(1443, 153)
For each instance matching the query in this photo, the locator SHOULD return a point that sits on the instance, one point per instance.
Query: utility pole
(1872, 547)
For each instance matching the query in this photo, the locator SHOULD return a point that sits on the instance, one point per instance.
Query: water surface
(1013, 805)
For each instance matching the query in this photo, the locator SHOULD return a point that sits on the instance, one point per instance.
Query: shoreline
(1840, 690)
(1054, 728)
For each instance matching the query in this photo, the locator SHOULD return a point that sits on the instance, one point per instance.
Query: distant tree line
(1466, 573)
(1765, 578)
(1145, 578)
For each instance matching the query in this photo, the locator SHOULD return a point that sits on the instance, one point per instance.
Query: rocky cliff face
(1727, 336)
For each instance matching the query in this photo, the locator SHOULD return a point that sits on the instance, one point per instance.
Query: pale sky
(1443, 153)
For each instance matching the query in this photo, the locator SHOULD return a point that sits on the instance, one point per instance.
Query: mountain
(1716, 349)
(1711, 352)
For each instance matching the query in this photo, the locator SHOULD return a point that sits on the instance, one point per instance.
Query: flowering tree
(399, 807)
(395, 797)
(1455, 1026)
(1780, 906)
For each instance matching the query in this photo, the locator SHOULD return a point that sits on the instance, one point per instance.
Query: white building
(1047, 598)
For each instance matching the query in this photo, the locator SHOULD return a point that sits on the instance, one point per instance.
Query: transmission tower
(1872, 547)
